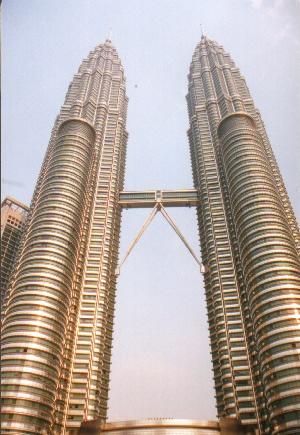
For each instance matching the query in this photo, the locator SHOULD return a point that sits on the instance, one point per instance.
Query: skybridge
(168, 198)
(158, 200)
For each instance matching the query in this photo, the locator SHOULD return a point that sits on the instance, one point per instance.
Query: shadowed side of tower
(57, 330)
(250, 247)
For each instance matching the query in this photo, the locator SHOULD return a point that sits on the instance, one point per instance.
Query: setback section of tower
(270, 264)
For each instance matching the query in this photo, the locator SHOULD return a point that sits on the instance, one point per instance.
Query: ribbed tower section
(57, 329)
(250, 248)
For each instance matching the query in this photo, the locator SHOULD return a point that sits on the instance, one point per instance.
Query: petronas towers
(58, 322)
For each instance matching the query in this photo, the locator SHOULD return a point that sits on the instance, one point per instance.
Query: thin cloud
(283, 14)
(256, 3)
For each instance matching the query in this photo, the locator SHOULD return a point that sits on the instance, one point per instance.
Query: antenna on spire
(109, 34)
(202, 33)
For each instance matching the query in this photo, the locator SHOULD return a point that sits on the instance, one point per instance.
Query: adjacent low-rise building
(164, 426)
(13, 217)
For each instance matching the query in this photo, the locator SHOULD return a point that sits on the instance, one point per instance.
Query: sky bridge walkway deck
(169, 198)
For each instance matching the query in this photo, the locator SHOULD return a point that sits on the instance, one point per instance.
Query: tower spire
(109, 34)
(202, 33)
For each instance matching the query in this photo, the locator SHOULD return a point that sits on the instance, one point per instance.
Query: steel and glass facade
(250, 247)
(57, 331)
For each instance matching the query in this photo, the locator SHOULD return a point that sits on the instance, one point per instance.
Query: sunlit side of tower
(250, 249)
(57, 331)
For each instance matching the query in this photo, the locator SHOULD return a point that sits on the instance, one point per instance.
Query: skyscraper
(13, 217)
(250, 249)
(57, 331)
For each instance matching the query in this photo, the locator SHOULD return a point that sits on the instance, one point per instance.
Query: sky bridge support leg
(159, 207)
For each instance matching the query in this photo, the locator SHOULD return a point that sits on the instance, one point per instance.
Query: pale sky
(161, 362)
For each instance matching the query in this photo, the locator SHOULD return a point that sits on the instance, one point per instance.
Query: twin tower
(58, 322)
